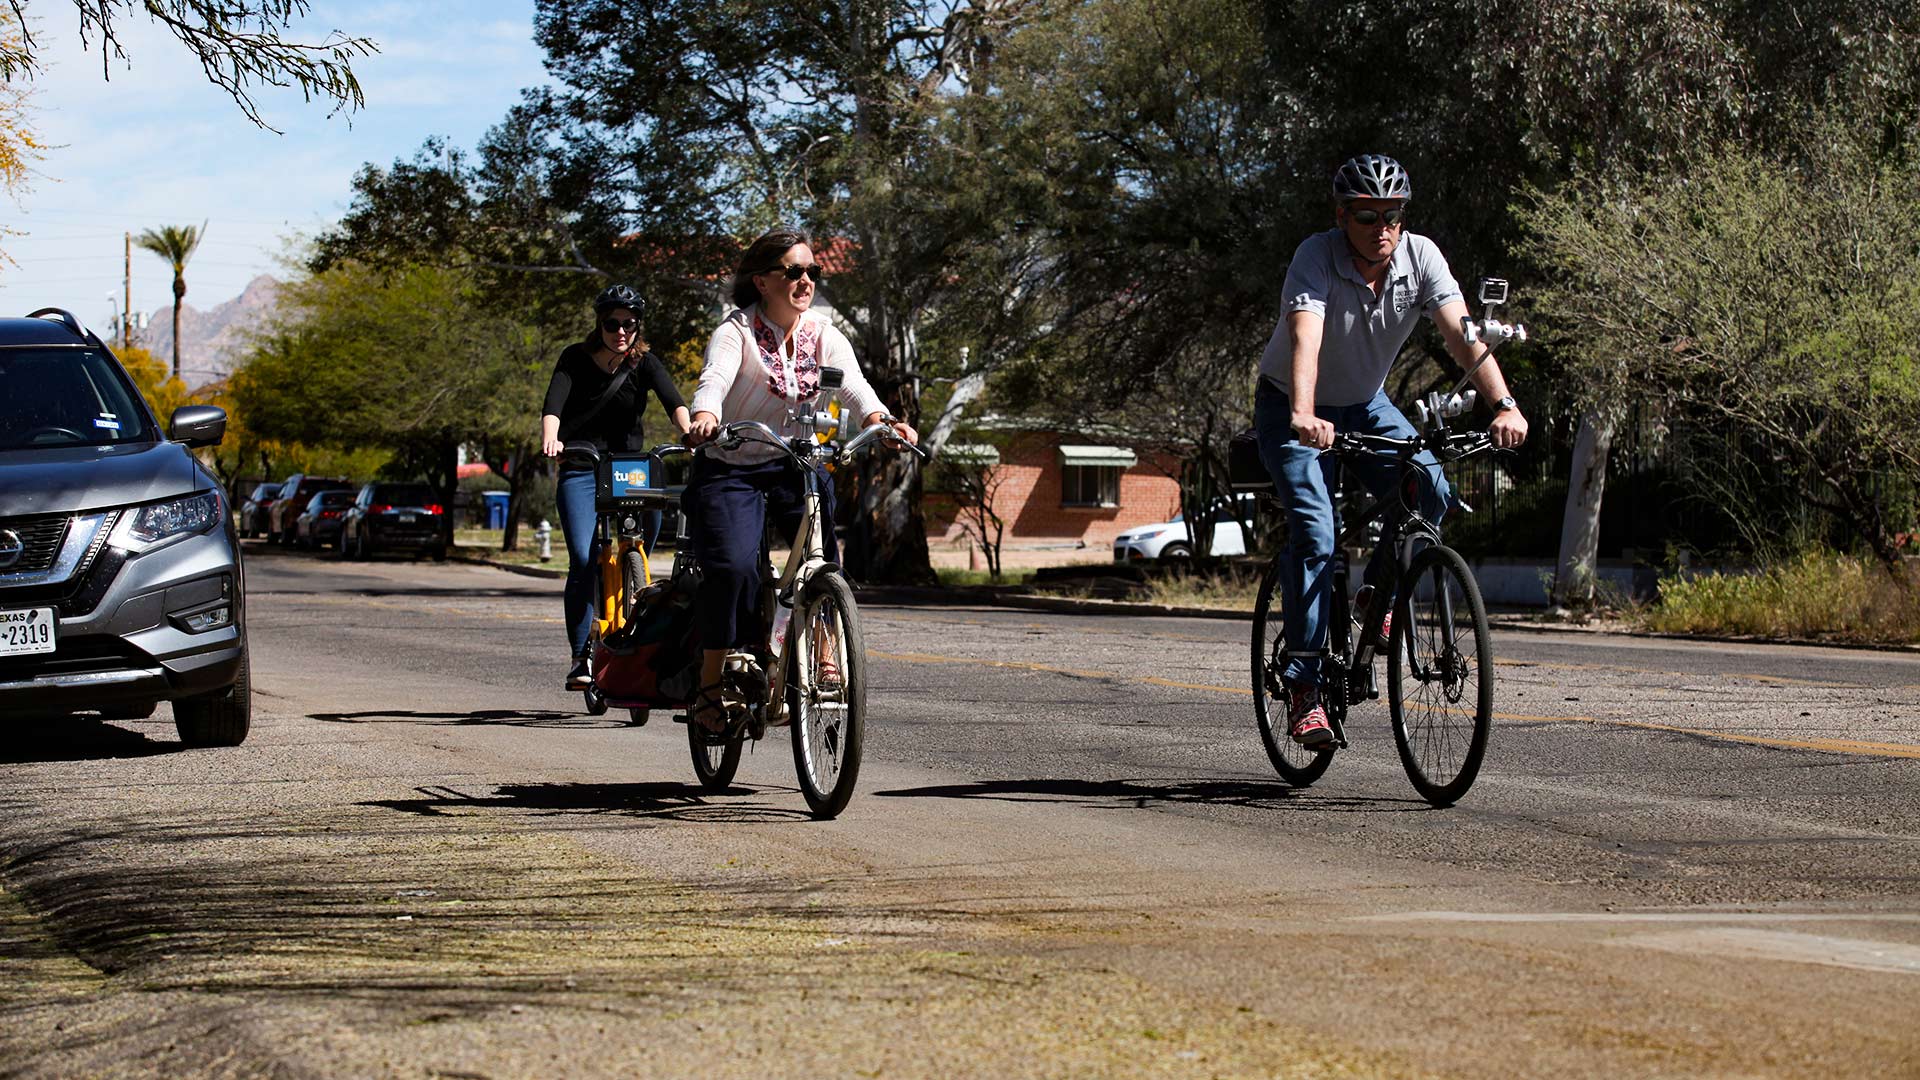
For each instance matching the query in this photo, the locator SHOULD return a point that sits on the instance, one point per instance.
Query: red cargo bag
(654, 660)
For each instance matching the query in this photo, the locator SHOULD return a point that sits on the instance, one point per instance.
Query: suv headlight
(142, 528)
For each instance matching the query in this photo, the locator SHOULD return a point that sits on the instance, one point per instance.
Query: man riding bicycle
(1352, 297)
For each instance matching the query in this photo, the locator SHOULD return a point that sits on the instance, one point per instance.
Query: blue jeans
(577, 520)
(1303, 477)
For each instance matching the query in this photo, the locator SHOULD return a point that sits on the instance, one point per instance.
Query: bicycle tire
(828, 725)
(634, 576)
(714, 763)
(1296, 764)
(1440, 658)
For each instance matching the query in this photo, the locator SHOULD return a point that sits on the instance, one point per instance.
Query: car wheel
(1176, 551)
(438, 553)
(220, 718)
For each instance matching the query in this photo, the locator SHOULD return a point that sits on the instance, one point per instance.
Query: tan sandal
(710, 709)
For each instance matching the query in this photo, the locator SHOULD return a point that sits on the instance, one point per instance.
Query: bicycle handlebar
(1448, 446)
(737, 433)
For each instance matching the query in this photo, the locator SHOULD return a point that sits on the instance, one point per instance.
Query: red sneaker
(1360, 601)
(1307, 718)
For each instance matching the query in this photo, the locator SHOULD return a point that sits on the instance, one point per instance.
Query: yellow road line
(1830, 746)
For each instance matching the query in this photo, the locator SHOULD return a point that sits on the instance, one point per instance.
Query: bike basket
(1246, 473)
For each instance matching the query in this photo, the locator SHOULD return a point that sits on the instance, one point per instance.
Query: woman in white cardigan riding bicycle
(763, 361)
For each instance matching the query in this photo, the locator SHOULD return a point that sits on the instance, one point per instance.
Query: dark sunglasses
(1392, 217)
(792, 273)
(612, 326)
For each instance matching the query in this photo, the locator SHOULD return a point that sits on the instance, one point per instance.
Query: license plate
(408, 519)
(26, 632)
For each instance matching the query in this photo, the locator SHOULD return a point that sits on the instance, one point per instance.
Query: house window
(1090, 485)
(1090, 475)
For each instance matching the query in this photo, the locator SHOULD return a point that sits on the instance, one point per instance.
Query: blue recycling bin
(496, 505)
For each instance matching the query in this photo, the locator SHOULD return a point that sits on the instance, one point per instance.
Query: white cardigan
(756, 371)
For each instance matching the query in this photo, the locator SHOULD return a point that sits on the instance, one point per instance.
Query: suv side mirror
(198, 425)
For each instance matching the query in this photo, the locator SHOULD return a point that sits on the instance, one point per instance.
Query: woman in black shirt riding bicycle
(598, 394)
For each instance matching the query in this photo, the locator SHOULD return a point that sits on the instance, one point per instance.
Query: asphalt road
(1068, 857)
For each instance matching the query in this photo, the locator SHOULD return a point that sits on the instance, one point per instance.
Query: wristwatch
(1504, 404)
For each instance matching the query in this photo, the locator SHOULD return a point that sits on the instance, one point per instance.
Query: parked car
(1169, 539)
(253, 512)
(120, 577)
(389, 516)
(318, 526)
(295, 493)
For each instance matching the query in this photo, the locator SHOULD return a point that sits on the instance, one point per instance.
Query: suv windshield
(51, 397)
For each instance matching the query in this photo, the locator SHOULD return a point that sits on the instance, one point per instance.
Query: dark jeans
(1303, 477)
(727, 508)
(577, 519)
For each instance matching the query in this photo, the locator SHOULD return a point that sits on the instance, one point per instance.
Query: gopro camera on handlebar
(1489, 333)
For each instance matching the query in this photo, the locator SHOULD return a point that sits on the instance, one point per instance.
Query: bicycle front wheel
(827, 693)
(1440, 676)
(1296, 764)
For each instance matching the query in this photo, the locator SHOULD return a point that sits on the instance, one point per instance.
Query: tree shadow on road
(76, 738)
(541, 718)
(658, 800)
(1139, 794)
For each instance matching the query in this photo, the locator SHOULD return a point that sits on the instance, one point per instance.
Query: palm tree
(174, 243)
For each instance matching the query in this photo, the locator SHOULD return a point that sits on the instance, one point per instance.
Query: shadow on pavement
(1140, 794)
(663, 800)
(75, 738)
(543, 718)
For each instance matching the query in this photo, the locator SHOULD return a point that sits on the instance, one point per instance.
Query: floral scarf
(806, 357)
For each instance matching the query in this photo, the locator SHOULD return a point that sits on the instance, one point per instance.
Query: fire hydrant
(544, 534)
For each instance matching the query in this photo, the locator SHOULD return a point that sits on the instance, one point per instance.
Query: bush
(1817, 595)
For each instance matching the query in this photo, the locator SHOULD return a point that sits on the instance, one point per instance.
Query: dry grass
(1817, 595)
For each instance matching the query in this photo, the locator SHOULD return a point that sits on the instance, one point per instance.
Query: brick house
(1061, 490)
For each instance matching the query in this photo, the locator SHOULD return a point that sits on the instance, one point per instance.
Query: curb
(512, 568)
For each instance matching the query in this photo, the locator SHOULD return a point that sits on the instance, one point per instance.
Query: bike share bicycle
(1439, 655)
(624, 495)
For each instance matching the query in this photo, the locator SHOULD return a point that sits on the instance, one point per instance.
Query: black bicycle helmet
(1371, 176)
(619, 296)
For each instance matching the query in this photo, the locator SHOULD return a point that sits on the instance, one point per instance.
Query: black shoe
(581, 676)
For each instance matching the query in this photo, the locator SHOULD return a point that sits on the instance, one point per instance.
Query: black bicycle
(1439, 654)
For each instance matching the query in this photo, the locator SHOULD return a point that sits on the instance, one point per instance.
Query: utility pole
(126, 320)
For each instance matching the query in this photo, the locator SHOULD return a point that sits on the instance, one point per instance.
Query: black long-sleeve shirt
(578, 382)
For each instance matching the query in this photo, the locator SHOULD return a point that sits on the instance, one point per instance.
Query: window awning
(1111, 456)
(971, 453)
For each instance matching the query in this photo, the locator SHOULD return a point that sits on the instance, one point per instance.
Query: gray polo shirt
(1362, 333)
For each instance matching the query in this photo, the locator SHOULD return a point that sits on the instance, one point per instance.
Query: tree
(175, 244)
(237, 42)
(1768, 308)
(973, 475)
(412, 359)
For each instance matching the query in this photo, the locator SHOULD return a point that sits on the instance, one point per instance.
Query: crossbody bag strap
(578, 422)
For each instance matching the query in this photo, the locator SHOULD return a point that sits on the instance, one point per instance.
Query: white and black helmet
(1371, 176)
(619, 296)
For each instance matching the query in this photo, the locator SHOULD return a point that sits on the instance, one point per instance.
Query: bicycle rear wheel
(1296, 764)
(1440, 676)
(828, 719)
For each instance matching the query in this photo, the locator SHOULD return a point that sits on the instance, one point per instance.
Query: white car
(1169, 540)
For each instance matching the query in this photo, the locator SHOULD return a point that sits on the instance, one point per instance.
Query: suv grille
(41, 538)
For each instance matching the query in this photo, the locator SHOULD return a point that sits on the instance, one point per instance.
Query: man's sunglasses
(1392, 217)
(617, 326)
(792, 273)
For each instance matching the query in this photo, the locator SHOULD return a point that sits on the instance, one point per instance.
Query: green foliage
(410, 360)
(1769, 310)
(1815, 595)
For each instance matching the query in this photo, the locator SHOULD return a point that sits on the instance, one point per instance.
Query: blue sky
(158, 145)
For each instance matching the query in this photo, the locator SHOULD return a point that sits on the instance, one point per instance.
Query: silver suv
(120, 577)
